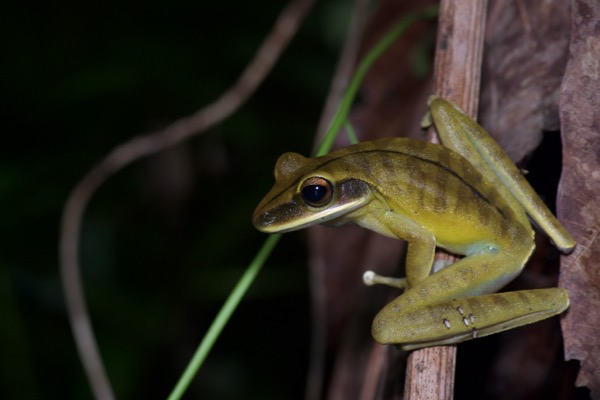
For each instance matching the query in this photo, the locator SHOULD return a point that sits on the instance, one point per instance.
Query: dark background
(165, 239)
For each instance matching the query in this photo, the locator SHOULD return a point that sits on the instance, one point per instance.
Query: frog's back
(437, 188)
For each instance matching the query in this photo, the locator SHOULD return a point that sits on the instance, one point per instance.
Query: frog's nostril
(263, 220)
(267, 218)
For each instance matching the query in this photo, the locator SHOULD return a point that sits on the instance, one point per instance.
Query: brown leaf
(525, 57)
(579, 201)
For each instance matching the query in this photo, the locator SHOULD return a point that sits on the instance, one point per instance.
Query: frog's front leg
(448, 307)
(421, 243)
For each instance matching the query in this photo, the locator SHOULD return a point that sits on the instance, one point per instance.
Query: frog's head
(308, 191)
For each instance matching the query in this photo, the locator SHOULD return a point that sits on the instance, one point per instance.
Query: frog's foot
(370, 278)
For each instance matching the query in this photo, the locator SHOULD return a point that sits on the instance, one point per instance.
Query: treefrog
(465, 196)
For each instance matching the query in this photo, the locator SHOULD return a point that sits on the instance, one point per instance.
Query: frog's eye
(316, 191)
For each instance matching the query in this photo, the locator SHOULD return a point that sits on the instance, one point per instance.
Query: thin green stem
(223, 316)
(351, 133)
(363, 68)
(255, 266)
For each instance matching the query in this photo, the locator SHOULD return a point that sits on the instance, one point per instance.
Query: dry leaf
(524, 61)
(579, 198)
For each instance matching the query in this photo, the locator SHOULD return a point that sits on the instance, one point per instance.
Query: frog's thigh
(479, 273)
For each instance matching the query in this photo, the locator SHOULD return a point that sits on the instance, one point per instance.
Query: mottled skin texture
(470, 200)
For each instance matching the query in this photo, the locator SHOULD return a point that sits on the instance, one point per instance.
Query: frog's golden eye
(316, 191)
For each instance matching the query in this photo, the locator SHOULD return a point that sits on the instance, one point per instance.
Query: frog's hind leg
(467, 318)
(455, 304)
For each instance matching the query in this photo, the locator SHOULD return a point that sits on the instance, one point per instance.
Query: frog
(463, 195)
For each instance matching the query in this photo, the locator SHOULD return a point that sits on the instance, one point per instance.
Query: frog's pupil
(314, 193)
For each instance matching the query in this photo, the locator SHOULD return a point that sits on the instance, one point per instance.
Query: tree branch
(457, 75)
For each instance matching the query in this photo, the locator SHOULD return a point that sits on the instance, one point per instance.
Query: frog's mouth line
(349, 195)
